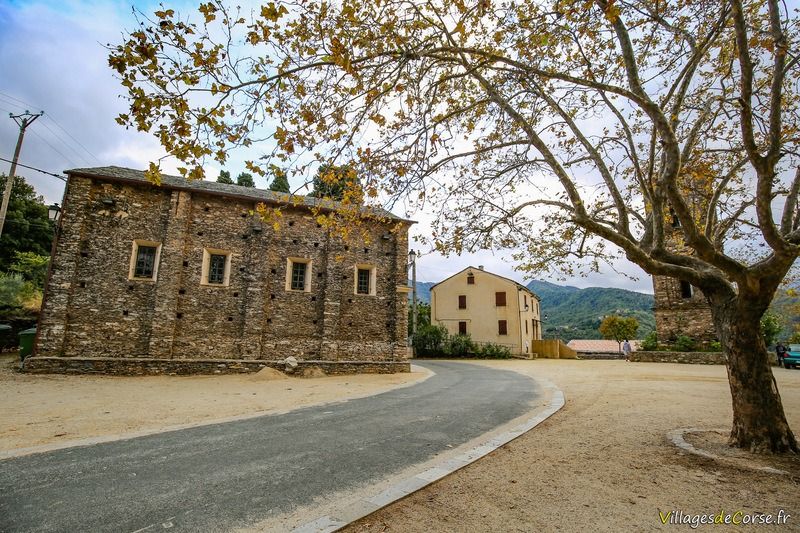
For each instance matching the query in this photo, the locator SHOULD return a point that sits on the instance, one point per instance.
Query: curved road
(225, 476)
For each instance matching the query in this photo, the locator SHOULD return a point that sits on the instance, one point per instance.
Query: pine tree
(245, 179)
(280, 183)
(224, 177)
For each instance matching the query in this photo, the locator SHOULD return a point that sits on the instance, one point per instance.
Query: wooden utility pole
(23, 120)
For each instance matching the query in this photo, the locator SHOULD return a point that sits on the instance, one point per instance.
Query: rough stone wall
(698, 358)
(676, 315)
(92, 309)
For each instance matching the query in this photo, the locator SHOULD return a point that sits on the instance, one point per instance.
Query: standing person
(780, 350)
(626, 349)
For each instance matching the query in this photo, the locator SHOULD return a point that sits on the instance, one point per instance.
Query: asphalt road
(225, 476)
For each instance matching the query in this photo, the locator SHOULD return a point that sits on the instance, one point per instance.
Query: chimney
(480, 267)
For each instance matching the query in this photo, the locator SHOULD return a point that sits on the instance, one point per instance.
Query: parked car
(792, 357)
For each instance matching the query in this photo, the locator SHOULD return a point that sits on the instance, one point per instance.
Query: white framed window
(216, 267)
(298, 274)
(364, 279)
(145, 257)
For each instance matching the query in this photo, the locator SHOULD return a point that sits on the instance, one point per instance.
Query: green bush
(650, 342)
(715, 346)
(430, 340)
(684, 343)
(459, 346)
(493, 351)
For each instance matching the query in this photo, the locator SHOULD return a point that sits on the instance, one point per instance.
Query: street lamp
(54, 212)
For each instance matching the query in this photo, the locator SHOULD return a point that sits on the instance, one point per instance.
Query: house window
(462, 328)
(526, 327)
(365, 282)
(216, 267)
(502, 327)
(144, 260)
(470, 279)
(362, 281)
(298, 274)
(525, 300)
(500, 299)
(462, 301)
(686, 289)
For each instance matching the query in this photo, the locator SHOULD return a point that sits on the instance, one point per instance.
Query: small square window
(686, 289)
(362, 283)
(364, 280)
(298, 274)
(216, 268)
(462, 301)
(500, 299)
(470, 279)
(144, 260)
(502, 327)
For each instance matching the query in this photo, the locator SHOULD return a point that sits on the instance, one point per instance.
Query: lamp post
(412, 261)
(54, 213)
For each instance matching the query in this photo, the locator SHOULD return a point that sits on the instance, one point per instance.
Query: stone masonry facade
(96, 310)
(676, 313)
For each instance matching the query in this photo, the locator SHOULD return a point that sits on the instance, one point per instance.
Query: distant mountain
(574, 313)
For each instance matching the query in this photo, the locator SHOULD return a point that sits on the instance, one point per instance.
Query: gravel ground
(603, 463)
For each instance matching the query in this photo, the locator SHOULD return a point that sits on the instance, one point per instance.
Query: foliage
(430, 340)
(715, 346)
(224, 177)
(619, 328)
(650, 342)
(32, 267)
(771, 326)
(15, 292)
(684, 343)
(27, 227)
(336, 183)
(490, 350)
(245, 179)
(459, 346)
(489, 113)
(423, 315)
(280, 183)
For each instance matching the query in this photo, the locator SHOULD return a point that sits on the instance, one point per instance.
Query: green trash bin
(26, 339)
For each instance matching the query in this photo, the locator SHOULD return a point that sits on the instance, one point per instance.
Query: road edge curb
(365, 506)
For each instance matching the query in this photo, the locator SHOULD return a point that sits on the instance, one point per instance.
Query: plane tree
(570, 132)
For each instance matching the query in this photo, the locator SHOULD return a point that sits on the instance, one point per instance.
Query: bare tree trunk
(759, 423)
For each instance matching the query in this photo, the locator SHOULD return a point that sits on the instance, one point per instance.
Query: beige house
(488, 308)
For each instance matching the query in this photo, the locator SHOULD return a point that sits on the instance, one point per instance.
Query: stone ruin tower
(681, 308)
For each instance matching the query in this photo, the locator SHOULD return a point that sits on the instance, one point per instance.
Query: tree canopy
(27, 227)
(569, 132)
(280, 182)
(245, 179)
(619, 328)
(224, 177)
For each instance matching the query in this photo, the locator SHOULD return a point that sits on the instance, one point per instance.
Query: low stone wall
(601, 355)
(697, 358)
(181, 367)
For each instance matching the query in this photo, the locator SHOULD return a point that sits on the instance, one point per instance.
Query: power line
(71, 137)
(23, 120)
(74, 151)
(17, 99)
(62, 178)
(10, 100)
(59, 152)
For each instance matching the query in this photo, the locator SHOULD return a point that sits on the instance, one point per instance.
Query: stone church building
(182, 278)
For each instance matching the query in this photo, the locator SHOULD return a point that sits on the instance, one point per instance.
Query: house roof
(519, 285)
(121, 174)
(597, 345)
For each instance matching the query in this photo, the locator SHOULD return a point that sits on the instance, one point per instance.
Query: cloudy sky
(52, 59)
